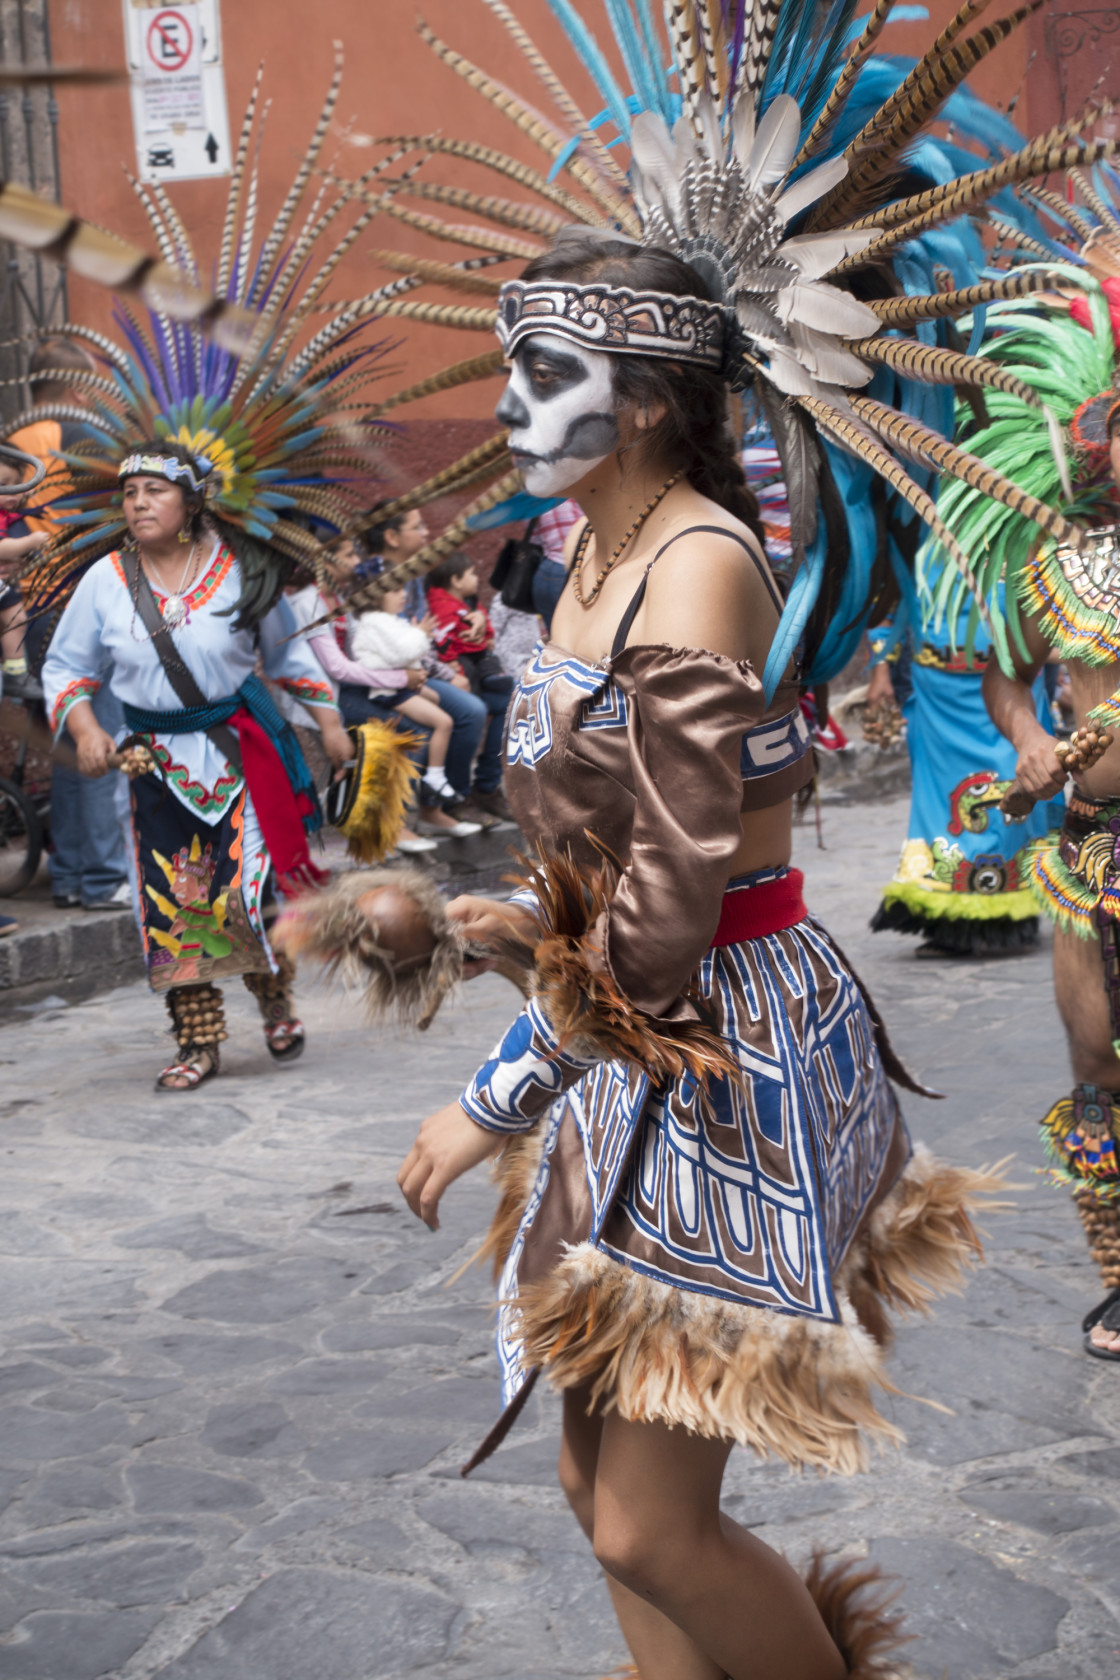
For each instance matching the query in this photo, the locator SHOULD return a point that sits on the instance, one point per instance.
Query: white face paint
(559, 407)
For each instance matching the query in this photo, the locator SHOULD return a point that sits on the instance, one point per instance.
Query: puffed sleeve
(687, 713)
(77, 661)
(287, 659)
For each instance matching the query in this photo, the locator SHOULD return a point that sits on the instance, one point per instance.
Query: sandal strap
(190, 1071)
(283, 1029)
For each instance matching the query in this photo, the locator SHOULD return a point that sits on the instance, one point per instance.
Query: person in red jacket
(463, 635)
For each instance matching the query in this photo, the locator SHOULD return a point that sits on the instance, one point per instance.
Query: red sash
(753, 912)
(280, 810)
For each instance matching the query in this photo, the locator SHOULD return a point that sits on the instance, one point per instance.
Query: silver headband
(681, 329)
(166, 466)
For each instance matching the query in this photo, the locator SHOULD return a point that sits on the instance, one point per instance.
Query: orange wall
(392, 85)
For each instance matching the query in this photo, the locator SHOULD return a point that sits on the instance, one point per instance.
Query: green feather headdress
(1066, 365)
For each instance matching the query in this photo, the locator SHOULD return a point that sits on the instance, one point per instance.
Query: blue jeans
(548, 586)
(88, 858)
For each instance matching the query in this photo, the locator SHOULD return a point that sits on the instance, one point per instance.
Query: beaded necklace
(585, 538)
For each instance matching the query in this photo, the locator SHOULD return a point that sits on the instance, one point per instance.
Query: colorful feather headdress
(250, 377)
(1048, 430)
(743, 159)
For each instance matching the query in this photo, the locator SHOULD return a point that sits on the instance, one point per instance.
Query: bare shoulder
(709, 590)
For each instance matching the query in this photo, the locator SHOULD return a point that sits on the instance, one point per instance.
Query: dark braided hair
(694, 435)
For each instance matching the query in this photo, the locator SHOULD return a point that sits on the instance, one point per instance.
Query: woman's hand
(879, 685)
(415, 676)
(94, 745)
(448, 1144)
(337, 744)
(486, 921)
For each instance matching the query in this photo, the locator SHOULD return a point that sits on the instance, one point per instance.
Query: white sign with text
(178, 89)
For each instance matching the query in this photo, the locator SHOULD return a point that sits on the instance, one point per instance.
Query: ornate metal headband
(167, 466)
(614, 318)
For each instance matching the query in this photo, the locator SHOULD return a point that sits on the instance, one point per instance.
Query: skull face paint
(559, 407)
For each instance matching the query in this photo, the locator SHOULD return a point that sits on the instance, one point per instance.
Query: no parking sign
(178, 89)
(172, 70)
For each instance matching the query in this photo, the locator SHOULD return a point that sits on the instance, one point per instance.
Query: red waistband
(753, 912)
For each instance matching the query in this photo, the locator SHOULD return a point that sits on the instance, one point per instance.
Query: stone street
(238, 1379)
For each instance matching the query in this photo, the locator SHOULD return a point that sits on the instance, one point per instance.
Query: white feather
(826, 309)
(821, 356)
(652, 151)
(777, 140)
(789, 375)
(818, 253)
(742, 129)
(1058, 448)
(710, 129)
(811, 187)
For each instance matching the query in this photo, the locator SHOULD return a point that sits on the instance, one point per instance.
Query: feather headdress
(745, 160)
(246, 376)
(1064, 345)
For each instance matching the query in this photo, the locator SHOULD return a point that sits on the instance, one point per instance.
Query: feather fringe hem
(791, 1388)
(856, 1603)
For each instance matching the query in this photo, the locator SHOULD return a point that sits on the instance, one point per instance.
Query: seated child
(463, 632)
(384, 641)
(16, 542)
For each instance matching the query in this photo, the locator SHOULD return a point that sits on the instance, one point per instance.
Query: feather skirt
(640, 1234)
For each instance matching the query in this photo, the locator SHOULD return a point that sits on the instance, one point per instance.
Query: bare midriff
(767, 841)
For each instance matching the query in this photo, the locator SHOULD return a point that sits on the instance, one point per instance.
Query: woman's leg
(697, 1596)
(644, 1627)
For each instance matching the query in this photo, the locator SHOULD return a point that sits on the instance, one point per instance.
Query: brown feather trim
(919, 1242)
(788, 1387)
(515, 1173)
(856, 1601)
(585, 1006)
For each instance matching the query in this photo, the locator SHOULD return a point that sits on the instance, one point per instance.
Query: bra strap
(627, 621)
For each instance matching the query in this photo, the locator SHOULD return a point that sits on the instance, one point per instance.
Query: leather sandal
(190, 1070)
(293, 1032)
(1107, 1316)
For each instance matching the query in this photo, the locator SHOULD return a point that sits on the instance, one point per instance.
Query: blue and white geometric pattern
(774, 746)
(749, 1191)
(530, 737)
(525, 1074)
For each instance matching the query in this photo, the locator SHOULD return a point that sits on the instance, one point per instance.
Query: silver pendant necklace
(175, 608)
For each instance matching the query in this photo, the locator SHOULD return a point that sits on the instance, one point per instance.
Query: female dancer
(227, 798)
(704, 1254)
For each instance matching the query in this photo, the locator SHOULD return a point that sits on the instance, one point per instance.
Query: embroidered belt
(767, 907)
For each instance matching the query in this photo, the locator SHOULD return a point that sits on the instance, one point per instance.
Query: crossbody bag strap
(176, 672)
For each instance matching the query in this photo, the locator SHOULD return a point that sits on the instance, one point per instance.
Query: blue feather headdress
(767, 147)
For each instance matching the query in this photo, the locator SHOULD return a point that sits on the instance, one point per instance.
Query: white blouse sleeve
(77, 662)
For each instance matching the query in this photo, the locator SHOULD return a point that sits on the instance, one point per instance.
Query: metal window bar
(32, 288)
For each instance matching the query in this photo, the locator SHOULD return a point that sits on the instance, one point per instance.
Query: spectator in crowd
(391, 541)
(17, 541)
(385, 637)
(360, 689)
(89, 856)
(551, 531)
(465, 635)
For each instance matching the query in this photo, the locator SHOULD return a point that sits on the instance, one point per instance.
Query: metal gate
(32, 289)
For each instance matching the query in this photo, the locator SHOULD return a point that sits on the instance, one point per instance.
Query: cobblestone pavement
(238, 1379)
